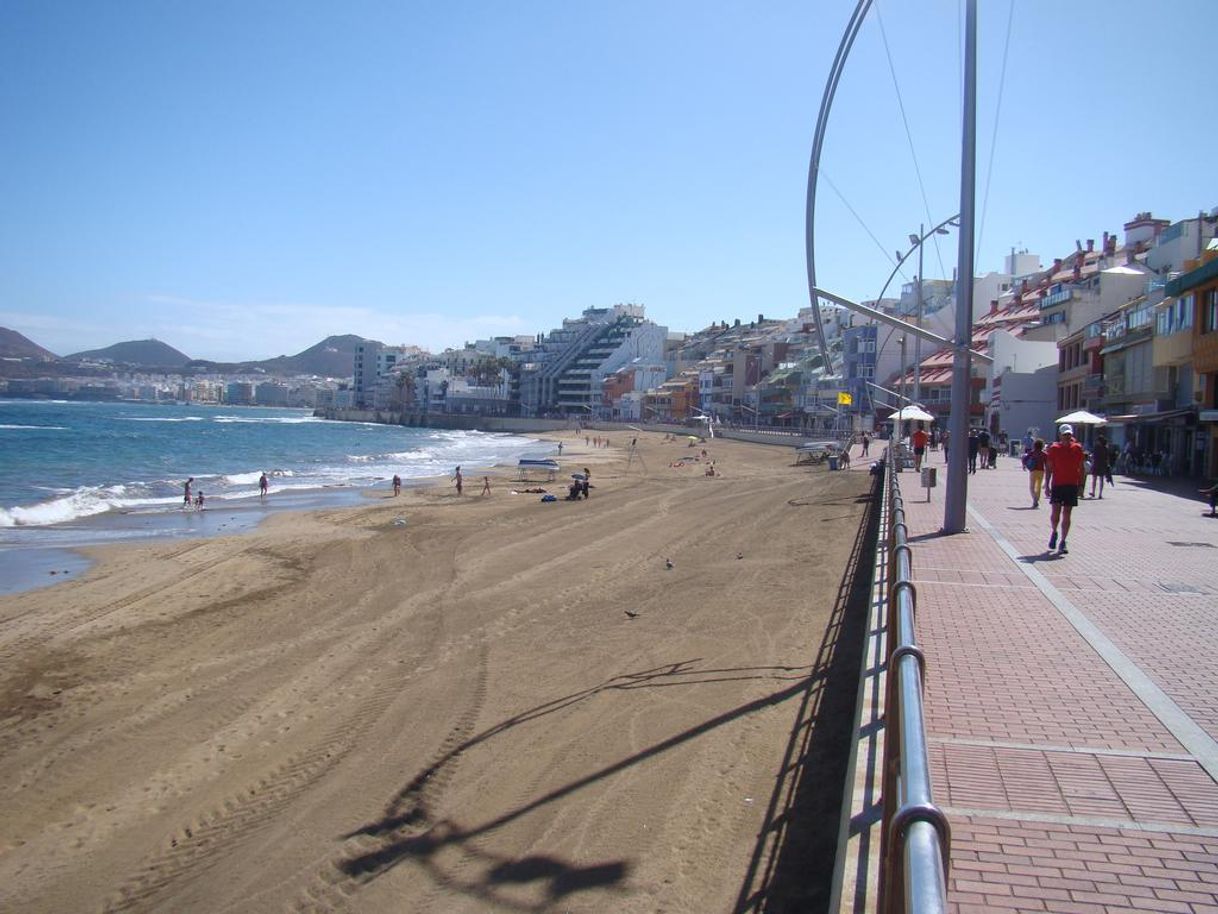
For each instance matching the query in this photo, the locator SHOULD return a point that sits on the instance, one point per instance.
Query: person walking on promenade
(1212, 492)
(918, 439)
(1100, 467)
(947, 437)
(1064, 477)
(983, 447)
(460, 481)
(866, 443)
(1034, 463)
(974, 445)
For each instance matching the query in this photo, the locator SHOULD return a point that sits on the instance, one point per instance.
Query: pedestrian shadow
(1036, 557)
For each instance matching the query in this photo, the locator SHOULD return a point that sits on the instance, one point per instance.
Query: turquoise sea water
(72, 472)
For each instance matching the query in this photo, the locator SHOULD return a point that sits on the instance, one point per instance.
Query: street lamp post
(955, 502)
(918, 319)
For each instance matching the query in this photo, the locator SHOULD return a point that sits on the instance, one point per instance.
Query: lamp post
(955, 502)
(919, 241)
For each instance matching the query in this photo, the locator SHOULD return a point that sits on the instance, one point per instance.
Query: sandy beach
(435, 703)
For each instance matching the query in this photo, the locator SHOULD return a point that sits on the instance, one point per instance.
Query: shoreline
(39, 565)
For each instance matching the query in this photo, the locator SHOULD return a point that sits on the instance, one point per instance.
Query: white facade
(1020, 264)
(1021, 383)
(1184, 240)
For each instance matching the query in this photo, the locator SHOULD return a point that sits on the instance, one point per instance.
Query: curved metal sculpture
(818, 140)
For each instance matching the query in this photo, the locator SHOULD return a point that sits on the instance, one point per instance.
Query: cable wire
(989, 172)
(908, 135)
(887, 253)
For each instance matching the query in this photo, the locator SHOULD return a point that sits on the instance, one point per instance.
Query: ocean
(74, 473)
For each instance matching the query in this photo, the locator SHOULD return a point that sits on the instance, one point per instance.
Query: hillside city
(1124, 326)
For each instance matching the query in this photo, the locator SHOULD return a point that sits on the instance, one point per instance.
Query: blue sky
(242, 179)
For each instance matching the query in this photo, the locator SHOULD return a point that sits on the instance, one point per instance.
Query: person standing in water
(187, 501)
(262, 486)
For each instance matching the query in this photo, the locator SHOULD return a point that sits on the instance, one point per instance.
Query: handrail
(917, 836)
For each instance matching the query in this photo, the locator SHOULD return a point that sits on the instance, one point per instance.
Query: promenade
(1072, 700)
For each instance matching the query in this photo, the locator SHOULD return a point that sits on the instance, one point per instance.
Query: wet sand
(435, 703)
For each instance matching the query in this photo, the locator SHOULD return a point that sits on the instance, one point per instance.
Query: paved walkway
(1072, 701)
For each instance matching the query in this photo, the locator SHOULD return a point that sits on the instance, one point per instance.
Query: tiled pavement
(1072, 701)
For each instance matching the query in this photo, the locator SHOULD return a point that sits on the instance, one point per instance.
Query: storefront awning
(1152, 417)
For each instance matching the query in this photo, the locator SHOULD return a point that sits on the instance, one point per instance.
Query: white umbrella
(1081, 417)
(914, 413)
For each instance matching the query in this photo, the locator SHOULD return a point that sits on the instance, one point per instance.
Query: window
(1209, 311)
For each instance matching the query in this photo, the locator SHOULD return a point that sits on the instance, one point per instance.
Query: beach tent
(914, 413)
(1081, 417)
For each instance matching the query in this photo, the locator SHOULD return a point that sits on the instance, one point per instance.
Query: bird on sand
(668, 563)
(632, 614)
(739, 555)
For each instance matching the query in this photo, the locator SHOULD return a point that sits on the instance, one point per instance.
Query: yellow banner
(844, 400)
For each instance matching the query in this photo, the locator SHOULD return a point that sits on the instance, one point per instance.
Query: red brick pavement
(1076, 760)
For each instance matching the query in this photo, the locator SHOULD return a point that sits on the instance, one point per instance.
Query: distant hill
(15, 346)
(141, 353)
(333, 357)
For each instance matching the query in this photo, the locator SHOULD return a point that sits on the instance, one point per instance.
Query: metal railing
(916, 837)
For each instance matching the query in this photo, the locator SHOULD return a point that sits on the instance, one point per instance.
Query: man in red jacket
(1064, 475)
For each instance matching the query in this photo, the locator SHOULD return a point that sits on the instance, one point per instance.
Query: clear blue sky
(241, 179)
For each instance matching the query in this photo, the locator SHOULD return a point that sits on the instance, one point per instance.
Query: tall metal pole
(917, 339)
(901, 343)
(818, 141)
(955, 501)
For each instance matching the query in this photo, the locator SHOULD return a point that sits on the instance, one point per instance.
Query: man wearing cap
(1064, 474)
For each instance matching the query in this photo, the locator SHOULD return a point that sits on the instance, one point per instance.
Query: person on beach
(560, 449)
(397, 485)
(586, 483)
(460, 481)
(199, 501)
(262, 486)
(1034, 463)
(1100, 468)
(187, 501)
(1064, 476)
(486, 485)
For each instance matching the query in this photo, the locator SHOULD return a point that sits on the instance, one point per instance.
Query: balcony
(1056, 297)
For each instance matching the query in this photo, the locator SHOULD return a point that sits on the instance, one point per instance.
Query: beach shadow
(792, 863)
(407, 830)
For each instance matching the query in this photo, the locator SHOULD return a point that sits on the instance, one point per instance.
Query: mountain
(15, 346)
(141, 353)
(333, 357)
